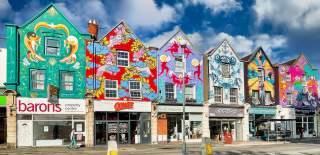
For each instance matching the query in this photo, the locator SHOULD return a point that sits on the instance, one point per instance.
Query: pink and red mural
(120, 67)
(298, 83)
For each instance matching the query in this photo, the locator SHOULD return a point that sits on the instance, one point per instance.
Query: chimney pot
(93, 29)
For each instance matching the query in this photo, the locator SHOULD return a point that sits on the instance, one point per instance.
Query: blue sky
(284, 28)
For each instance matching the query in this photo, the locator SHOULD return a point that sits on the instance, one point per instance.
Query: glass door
(123, 132)
(112, 131)
(101, 136)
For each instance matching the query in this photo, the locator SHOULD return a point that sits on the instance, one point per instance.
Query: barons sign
(123, 105)
(226, 112)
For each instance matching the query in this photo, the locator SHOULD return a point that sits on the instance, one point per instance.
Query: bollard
(206, 147)
(112, 147)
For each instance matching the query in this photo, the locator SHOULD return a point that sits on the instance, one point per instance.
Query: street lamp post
(184, 146)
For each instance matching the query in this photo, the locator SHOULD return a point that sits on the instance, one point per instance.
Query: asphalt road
(174, 149)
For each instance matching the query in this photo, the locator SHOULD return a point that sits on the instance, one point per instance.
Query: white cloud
(217, 6)
(295, 14)
(160, 39)
(146, 14)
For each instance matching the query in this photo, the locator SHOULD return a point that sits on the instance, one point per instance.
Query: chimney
(93, 29)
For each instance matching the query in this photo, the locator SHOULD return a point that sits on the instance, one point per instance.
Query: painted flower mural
(298, 82)
(121, 57)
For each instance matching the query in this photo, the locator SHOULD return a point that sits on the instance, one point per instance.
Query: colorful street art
(261, 78)
(225, 55)
(178, 48)
(102, 65)
(298, 82)
(68, 53)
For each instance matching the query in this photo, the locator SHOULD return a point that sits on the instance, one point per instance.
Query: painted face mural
(298, 83)
(121, 58)
(261, 79)
(178, 64)
(225, 70)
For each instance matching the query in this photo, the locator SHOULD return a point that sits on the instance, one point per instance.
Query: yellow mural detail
(52, 11)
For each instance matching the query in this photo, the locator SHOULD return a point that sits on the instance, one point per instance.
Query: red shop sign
(123, 105)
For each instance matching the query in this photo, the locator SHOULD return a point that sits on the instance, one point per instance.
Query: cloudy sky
(284, 28)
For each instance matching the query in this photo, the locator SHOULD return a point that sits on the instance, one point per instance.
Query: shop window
(169, 90)
(233, 95)
(135, 89)
(179, 67)
(67, 80)
(134, 116)
(100, 115)
(79, 126)
(124, 116)
(112, 116)
(52, 46)
(111, 88)
(189, 92)
(225, 69)
(122, 58)
(37, 79)
(218, 93)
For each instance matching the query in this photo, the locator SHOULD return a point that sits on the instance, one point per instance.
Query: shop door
(123, 132)
(112, 131)
(3, 125)
(25, 133)
(101, 130)
(145, 132)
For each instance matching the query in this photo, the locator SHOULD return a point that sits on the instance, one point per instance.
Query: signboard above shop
(175, 108)
(42, 106)
(122, 106)
(226, 112)
(263, 110)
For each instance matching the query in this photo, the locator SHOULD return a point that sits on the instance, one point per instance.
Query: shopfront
(258, 126)
(305, 123)
(128, 122)
(40, 123)
(170, 124)
(3, 120)
(226, 121)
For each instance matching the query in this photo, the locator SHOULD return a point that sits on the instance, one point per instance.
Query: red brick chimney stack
(93, 29)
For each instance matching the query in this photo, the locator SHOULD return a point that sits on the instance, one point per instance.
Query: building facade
(225, 86)
(46, 81)
(298, 88)
(121, 73)
(3, 99)
(180, 79)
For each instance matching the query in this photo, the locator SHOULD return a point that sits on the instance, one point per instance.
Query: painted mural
(224, 55)
(178, 48)
(298, 83)
(102, 65)
(69, 56)
(261, 78)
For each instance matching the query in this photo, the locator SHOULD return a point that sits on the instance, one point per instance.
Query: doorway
(218, 128)
(25, 133)
(3, 125)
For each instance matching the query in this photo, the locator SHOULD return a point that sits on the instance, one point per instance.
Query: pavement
(245, 148)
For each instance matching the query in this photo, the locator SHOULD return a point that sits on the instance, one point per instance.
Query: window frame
(192, 90)
(182, 65)
(173, 91)
(127, 59)
(62, 88)
(45, 45)
(220, 95)
(140, 90)
(112, 89)
(228, 68)
(234, 96)
(31, 80)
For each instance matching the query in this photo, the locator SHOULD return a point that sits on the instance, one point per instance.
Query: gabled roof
(294, 61)
(213, 50)
(121, 22)
(250, 57)
(289, 62)
(43, 11)
(185, 37)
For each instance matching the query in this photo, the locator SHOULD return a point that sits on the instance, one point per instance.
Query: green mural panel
(3, 100)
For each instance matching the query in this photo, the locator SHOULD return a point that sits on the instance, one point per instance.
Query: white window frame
(193, 92)
(37, 81)
(126, 59)
(215, 94)
(64, 82)
(182, 63)
(268, 99)
(45, 46)
(234, 96)
(116, 89)
(135, 90)
(223, 72)
(174, 91)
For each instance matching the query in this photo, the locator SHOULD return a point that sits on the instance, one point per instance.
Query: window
(233, 95)
(225, 69)
(179, 64)
(218, 93)
(111, 89)
(255, 96)
(189, 92)
(135, 89)
(288, 77)
(37, 79)
(67, 81)
(123, 58)
(169, 90)
(268, 98)
(289, 98)
(52, 46)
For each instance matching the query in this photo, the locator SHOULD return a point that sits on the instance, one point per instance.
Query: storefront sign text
(38, 107)
(263, 110)
(118, 106)
(226, 112)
